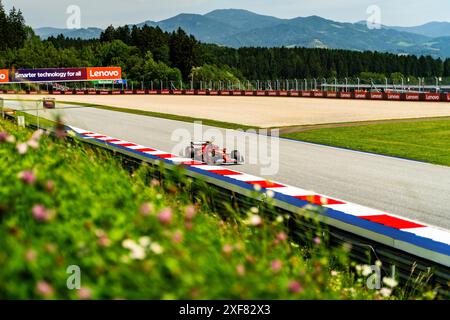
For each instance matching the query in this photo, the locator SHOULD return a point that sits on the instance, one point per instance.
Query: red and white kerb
(373, 215)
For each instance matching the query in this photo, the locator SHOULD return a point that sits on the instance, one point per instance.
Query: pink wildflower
(295, 287)
(165, 216)
(276, 265)
(44, 289)
(40, 213)
(27, 177)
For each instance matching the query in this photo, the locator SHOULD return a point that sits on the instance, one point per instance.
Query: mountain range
(239, 28)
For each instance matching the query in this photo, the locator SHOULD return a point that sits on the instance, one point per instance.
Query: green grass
(63, 203)
(427, 141)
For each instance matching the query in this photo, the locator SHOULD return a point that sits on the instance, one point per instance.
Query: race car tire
(236, 155)
(189, 152)
(209, 155)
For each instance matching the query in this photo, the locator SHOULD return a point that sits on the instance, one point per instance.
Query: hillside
(241, 28)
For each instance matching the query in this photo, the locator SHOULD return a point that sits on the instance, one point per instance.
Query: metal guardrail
(363, 250)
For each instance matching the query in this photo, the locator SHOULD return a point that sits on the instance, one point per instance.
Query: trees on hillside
(13, 30)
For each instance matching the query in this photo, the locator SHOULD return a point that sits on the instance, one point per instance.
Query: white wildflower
(156, 248)
(390, 282)
(144, 241)
(385, 292)
(255, 220)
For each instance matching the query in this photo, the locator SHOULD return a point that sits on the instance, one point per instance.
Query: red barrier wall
(331, 94)
(393, 96)
(433, 97)
(305, 93)
(360, 95)
(447, 97)
(345, 95)
(414, 96)
(318, 94)
(409, 96)
(376, 95)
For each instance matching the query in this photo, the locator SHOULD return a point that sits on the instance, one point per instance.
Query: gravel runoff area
(267, 111)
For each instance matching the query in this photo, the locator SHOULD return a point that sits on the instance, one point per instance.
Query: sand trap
(268, 111)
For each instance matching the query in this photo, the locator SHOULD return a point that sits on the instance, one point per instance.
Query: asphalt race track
(410, 189)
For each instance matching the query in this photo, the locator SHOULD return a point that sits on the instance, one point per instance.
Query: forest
(151, 54)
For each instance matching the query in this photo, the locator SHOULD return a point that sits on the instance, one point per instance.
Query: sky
(101, 13)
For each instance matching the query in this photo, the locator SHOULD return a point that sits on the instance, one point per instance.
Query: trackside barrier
(393, 240)
(393, 96)
(412, 96)
(359, 95)
(436, 97)
(376, 95)
(305, 94)
(345, 95)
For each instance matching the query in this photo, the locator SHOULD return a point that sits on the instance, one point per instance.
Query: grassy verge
(63, 204)
(427, 141)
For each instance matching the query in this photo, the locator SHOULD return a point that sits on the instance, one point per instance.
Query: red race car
(211, 154)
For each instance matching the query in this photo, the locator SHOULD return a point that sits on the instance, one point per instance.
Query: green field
(427, 141)
(133, 237)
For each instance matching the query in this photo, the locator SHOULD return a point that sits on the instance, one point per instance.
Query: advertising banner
(4, 76)
(360, 95)
(393, 96)
(345, 95)
(306, 93)
(331, 94)
(104, 73)
(47, 75)
(376, 95)
(412, 96)
(318, 94)
(432, 97)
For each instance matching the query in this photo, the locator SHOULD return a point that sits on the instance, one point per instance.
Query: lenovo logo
(432, 97)
(110, 73)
